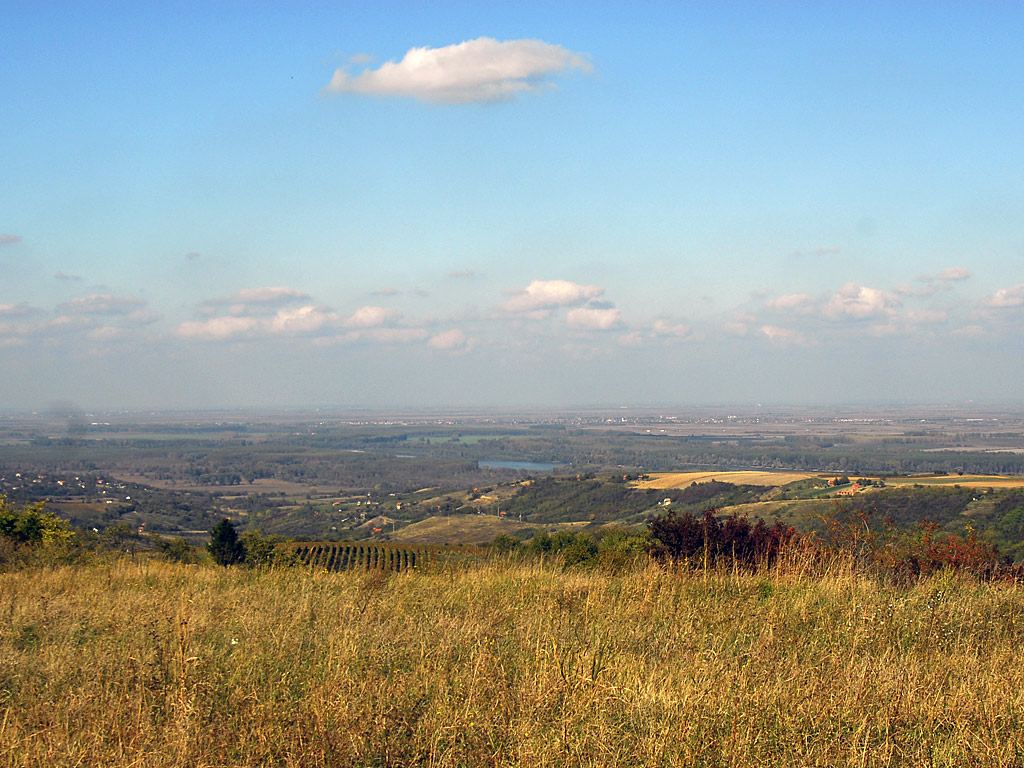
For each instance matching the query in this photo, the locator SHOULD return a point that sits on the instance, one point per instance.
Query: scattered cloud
(102, 304)
(361, 58)
(859, 302)
(271, 294)
(663, 327)
(594, 318)
(549, 294)
(1006, 297)
(394, 335)
(464, 273)
(218, 328)
(385, 292)
(372, 317)
(783, 336)
(14, 310)
(9, 239)
(306, 319)
(954, 274)
(790, 301)
(453, 339)
(474, 71)
(58, 275)
(193, 256)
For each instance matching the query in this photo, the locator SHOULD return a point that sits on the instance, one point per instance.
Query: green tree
(224, 546)
(32, 525)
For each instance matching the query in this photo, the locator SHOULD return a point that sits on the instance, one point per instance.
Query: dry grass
(148, 664)
(665, 480)
(458, 529)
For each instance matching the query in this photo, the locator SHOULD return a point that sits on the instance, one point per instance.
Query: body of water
(529, 466)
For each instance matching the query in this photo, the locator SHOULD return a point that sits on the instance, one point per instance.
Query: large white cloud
(549, 294)
(859, 302)
(479, 70)
(1006, 297)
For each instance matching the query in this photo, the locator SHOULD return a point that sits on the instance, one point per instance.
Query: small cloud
(10, 239)
(953, 274)
(105, 333)
(821, 251)
(14, 310)
(371, 317)
(859, 302)
(783, 336)
(395, 335)
(102, 304)
(58, 275)
(969, 332)
(593, 318)
(631, 339)
(548, 294)
(218, 328)
(789, 302)
(271, 294)
(474, 71)
(453, 339)
(361, 58)
(665, 328)
(463, 273)
(193, 256)
(1006, 297)
(300, 320)
(385, 292)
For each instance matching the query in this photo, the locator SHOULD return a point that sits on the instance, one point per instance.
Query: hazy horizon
(586, 205)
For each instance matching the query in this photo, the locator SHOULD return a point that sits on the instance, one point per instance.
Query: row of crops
(346, 556)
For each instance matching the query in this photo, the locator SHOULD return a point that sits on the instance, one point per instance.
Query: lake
(528, 466)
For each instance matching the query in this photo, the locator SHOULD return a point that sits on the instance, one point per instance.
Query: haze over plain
(227, 205)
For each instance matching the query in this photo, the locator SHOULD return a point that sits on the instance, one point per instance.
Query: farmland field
(965, 481)
(666, 480)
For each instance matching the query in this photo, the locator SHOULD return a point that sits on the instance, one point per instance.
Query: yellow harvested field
(964, 481)
(665, 480)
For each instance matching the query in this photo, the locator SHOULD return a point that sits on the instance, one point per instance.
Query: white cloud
(453, 339)
(480, 70)
(218, 328)
(1006, 297)
(270, 294)
(789, 301)
(593, 318)
(371, 316)
(954, 274)
(548, 294)
(14, 310)
(300, 320)
(665, 328)
(102, 304)
(784, 336)
(395, 335)
(859, 302)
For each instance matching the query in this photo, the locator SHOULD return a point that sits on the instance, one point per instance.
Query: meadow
(508, 663)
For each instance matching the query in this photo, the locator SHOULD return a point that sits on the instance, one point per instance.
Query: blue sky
(239, 204)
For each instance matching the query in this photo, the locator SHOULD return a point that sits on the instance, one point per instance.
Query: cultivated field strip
(369, 556)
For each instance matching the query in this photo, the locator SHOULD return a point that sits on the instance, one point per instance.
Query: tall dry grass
(506, 664)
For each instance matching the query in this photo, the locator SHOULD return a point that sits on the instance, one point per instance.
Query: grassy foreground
(506, 664)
